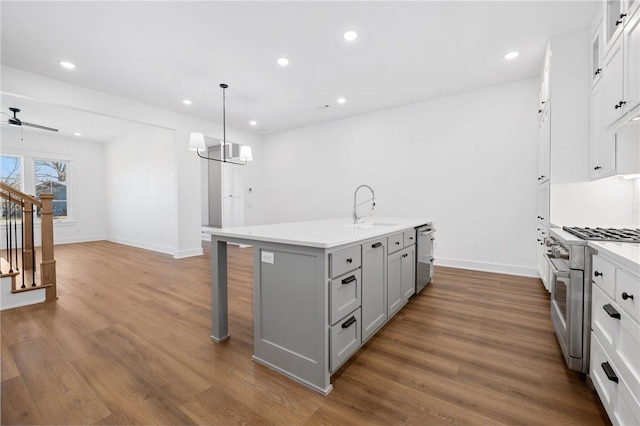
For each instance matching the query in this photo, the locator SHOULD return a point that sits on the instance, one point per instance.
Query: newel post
(48, 265)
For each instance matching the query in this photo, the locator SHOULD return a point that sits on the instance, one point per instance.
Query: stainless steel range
(569, 260)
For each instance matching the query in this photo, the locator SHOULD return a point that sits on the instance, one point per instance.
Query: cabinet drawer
(344, 294)
(628, 293)
(345, 339)
(395, 242)
(603, 275)
(619, 336)
(605, 387)
(409, 237)
(344, 260)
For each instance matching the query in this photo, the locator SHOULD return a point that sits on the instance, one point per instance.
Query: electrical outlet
(267, 257)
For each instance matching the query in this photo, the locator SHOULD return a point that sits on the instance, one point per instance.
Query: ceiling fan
(17, 122)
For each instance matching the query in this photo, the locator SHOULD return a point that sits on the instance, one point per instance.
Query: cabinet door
(632, 62)
(597, 130)
(408, 272)
(394, 284)
(374, 290)
(543, 203)
(544, 145)
(614, 103)
(614, 21)
(596, 55)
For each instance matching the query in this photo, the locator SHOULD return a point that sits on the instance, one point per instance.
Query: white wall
(468, 161)
(142, 189)
(86, 180)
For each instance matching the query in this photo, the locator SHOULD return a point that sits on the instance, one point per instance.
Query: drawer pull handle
(626, 296)
(611, 375)
(349, 260)
(351, 320)
(597, 274)
(351, 279)
(376, 245)
(611, 311)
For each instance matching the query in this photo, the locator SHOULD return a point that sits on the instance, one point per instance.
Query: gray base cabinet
(374, 287)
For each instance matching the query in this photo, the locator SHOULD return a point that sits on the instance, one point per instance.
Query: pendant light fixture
(197, 144)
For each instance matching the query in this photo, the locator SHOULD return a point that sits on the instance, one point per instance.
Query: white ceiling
(160, 52)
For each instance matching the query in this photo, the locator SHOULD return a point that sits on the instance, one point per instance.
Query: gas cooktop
(622, 235)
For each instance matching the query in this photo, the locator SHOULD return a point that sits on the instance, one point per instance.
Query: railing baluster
(9, 239)
(14, 209)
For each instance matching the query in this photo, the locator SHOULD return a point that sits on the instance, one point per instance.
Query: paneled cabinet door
(613, 78)
(632, 62)
(614, 19)
(544, 145)
(394, 285)
(602, 143)
(543, 203)
(596, 55)
(374, 290)
(408, 274)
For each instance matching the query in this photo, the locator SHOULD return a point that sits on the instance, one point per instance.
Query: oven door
(567, 316)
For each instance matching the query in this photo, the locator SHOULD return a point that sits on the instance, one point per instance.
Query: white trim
(142, 245)
(499, 268)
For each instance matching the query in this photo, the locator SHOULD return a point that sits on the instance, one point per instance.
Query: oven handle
(556, 271)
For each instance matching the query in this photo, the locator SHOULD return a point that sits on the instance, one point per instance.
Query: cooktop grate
(623, 235)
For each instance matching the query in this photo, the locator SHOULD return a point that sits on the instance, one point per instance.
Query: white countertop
(627, 254)
(326, 233)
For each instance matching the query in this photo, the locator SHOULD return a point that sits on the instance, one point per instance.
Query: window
(12, 171)
(51, 178)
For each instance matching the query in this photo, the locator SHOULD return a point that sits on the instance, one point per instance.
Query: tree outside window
(51, 178)
(11, 175)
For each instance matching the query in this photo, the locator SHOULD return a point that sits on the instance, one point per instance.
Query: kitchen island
(321, 289)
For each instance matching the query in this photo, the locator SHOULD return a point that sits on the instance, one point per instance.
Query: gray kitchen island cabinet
(319, 290)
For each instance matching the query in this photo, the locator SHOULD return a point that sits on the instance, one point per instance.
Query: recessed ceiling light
(77, 134)
(511, 55)
(68, 65)
(341, 100)
(253, 122)
(350, 35)
(187, 101)
(283, 62)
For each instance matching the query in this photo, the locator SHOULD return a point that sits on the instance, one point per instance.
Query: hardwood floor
(127, 342)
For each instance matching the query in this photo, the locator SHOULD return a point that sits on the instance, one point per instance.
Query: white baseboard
(488, 267)
(142, 245)
(181, 254)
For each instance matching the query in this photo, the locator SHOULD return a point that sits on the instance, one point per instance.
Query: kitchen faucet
(355, 206)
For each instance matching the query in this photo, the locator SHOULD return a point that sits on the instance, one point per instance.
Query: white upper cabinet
(615, 12)
(544, 95)
(614, 102)
(544, 145)
(632, 63)
(596, 55)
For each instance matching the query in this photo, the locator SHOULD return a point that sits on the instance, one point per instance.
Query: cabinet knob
(597, 274)
(626, 296)
(620, 104)
(349, 260)
(620, 21)
(598, 71)
(597, 168)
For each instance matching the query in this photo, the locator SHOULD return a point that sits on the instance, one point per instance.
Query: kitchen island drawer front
(344, 260)
(345, 294)
(628, 293)
(395, 242)
(603, 275)
(345, 339)
(409, 237)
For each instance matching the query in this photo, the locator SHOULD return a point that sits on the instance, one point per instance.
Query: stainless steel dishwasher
(424, 264)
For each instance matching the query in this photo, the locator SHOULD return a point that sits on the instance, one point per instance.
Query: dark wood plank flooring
(127, 342)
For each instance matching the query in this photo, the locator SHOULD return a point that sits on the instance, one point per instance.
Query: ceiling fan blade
(37, 126)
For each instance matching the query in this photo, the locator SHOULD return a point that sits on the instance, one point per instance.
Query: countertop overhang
(327, 233)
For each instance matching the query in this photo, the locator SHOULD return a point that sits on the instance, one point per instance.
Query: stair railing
(20, 249)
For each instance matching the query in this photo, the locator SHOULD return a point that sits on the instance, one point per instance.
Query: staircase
(21, 281)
